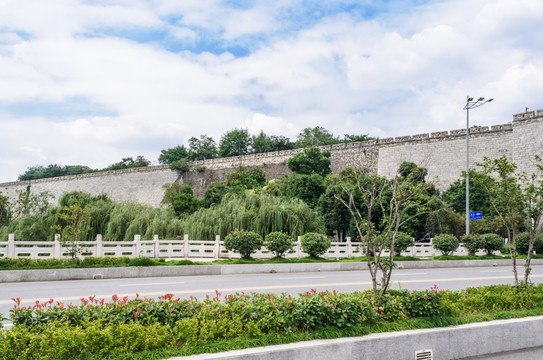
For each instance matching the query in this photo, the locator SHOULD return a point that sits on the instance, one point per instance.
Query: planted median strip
(140, 328)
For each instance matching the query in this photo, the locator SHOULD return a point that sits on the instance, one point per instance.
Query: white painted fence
(181, 249)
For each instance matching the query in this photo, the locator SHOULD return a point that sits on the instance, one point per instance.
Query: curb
(200, 270)
(458, 342)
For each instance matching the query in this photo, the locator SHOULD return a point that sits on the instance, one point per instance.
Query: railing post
(299, 247)
(99, 246)
(349, 247)
(11, 246)
(57, 247)
(217, 251)
(156, 248)
(186, 248)
(137, 245)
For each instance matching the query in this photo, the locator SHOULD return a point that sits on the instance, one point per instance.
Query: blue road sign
(475, 215)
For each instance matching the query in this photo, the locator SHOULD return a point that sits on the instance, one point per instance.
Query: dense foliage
(315, 244)
(243, 242)
(446, 243)
(53, 330)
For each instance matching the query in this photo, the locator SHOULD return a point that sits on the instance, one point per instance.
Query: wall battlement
(442, 153)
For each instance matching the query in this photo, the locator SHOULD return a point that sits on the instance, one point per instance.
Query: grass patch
(92, 262)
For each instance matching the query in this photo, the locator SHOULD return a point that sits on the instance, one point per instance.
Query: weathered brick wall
(442, 153)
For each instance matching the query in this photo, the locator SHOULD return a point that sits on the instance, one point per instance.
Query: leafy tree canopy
(315, 136)
(235, 142)
(52, 170)
(311, 161)
(172, 155)
(129, 162)
(202, 148)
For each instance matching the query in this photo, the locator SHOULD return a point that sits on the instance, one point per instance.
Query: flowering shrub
(446, 243)
(315, 244)
(244, 242)
(278, 243)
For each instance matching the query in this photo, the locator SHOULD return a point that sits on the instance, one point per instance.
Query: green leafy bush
(490, 242)
(101, 329)
(403, 241)
(446, 243)
(243, 242)
(278, 243)
(523, 241)
(315, 244)
(182, 165)
(472, 243)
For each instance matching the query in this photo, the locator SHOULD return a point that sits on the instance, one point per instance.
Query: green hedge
(58, 331)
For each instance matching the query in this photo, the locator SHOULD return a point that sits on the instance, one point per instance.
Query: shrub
(278, 243)
(403, 241)
(315, 244)
(472, 243)
(243, 242)
(446, 243)
(182, 165)
(523, 240)
(490, 242)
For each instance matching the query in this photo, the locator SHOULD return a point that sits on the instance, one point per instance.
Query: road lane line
(270, 287)
(152, 284)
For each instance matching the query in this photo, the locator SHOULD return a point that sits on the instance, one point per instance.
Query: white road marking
(153, 284)
(407, 274)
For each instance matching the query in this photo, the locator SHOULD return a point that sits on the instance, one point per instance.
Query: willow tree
(379, 207)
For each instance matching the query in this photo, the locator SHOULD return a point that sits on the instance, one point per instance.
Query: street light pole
(470, 104)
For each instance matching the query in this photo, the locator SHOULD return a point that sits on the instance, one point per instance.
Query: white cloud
(392, 75)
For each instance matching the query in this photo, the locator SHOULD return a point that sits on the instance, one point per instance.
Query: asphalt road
(292, 283)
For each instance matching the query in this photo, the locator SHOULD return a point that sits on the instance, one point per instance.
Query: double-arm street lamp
(470, 104)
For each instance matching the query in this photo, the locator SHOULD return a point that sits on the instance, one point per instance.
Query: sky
(92, 82)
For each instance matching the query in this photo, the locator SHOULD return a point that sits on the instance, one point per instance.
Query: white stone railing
(182, 249)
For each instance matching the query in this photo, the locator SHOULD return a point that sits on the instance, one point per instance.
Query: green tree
(363, 194)
(173, 154)
(532, 208)
(455, 196)
(261, 143)
(128, 163)
(311, 161)
(5, 210)
(180, 198)
(203, 148)
(243, 179)
(75, 228)
(235, 142)
(53, 170)
(337, 219)
(357, 138)
(315, 136)
(308, 188)
(28, 203)
(215, 193)
(505, 195)
(279, 143)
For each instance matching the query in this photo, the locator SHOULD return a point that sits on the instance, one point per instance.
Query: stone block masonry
(443, 153)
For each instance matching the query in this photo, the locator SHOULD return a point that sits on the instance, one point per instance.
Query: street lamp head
(481, 99)
(470, 99)
(489, 100)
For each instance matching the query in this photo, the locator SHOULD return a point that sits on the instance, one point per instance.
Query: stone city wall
(442, 153)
